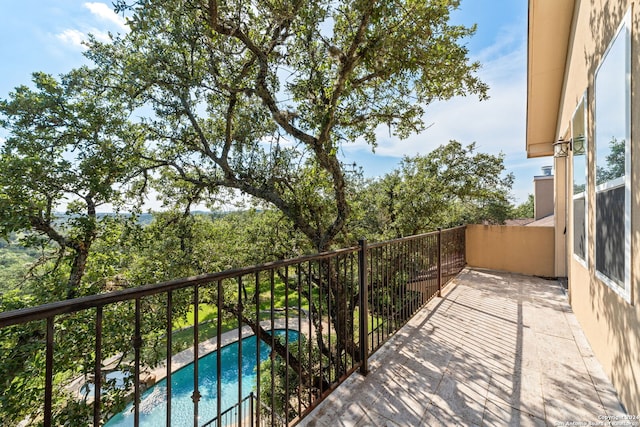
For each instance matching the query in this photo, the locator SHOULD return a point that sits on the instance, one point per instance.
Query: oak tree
(259, 96)
(69, 148)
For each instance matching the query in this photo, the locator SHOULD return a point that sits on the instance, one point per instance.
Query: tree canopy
(449, 186)
(69, 145)
(259, 96)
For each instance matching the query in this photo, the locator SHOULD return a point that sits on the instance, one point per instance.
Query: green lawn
(182, 337)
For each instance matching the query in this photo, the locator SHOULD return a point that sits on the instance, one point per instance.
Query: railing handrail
(41, 312)
(44, 311)
(412, 237)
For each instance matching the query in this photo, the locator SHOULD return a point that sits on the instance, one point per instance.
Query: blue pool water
(153, 404)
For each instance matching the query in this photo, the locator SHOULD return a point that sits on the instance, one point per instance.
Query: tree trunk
(78, 267)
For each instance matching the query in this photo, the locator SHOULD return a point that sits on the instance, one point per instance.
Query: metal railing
(318, 302)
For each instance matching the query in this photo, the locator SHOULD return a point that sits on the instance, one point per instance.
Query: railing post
(439, 261)
(364, 307)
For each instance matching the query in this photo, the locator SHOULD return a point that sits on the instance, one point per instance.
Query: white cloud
(269, 141)
(105, 12)
(496, 125)
(75, 37)
(101, 36)
(72, 37)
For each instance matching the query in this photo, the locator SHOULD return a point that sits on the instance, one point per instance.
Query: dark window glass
(579, 238)
(610, 256)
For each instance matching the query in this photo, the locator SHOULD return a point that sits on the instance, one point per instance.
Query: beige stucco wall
(611, 324)
(526, 250)
(560, 219)
(543, 196)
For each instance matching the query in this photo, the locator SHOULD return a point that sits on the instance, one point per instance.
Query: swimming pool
(153, 402)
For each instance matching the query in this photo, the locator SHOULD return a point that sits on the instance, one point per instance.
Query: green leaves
(449, 186)
(220, 81)
(70, 147)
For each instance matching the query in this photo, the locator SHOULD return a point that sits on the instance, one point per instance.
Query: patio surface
(498, 349)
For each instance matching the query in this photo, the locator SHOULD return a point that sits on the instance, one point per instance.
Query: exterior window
(613, 163)
(579, 149)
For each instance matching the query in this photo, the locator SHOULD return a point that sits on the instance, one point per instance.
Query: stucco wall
(526, 250)
(543, 196)
(611, 324)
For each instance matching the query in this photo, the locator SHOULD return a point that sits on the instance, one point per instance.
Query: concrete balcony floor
(498, 349)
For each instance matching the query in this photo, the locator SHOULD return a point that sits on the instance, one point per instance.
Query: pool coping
(150, 377)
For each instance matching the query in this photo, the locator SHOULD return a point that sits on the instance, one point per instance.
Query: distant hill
(143, 218)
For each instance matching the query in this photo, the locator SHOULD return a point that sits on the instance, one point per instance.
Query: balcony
(497, 349)
(444, 344)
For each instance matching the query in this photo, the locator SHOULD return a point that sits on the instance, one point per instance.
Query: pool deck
(497, 349)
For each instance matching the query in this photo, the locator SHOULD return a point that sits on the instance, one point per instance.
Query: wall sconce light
(561, 148)
(577, 145)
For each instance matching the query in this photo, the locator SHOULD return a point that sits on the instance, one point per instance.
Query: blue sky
(46, 36)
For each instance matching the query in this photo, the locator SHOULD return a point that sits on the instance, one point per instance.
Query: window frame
(622, 289)
(584, 194)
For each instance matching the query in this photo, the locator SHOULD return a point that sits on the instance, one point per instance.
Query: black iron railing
(329, 325)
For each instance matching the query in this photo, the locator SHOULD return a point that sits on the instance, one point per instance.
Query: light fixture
(561, 148)
(577, 145)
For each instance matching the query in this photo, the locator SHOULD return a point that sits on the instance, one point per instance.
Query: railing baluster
(392, 287)
(196, 340)
(251, 397)
(97, 371)
(286, 340)
(321, 327)
(422, 273)
(390, 292)
(424, 268)
(413, 275)
(345, 326)
(400, 286)
(364, 309)
(329, 318)
(137, 343)
(351, 290)
(408, 277)
(439, 264)
(48, 382)
(387, 293)
(373, 254)
(258, 345)
(240, 308)
(384, 288)
(218, 355)
(310, 340)
(299, 286)
(169, 334)
(397, 312)
(273, 340)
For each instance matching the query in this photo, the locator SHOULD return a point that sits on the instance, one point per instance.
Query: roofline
(548, 36)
